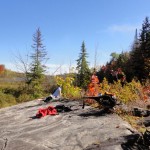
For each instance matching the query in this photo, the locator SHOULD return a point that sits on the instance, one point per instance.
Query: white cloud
(123, 28)
(54, 69)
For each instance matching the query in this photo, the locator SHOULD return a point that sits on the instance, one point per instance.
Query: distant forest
(135, 63)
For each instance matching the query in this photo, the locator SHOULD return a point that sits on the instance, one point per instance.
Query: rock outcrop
(74, 130)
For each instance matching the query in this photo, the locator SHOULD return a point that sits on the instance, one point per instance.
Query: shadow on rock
(137, 142)
(144, 121)
(34, 117)
(95, 113)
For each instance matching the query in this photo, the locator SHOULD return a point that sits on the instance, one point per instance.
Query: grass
(132, 120)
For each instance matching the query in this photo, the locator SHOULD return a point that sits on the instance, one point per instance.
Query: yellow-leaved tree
(68, 88)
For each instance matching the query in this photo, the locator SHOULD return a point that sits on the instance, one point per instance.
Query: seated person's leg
(47, 99)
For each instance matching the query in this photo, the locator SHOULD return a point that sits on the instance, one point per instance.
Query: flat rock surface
(75, 130)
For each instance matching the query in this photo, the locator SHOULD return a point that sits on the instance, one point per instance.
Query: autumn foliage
(2, 69)
(68, 88)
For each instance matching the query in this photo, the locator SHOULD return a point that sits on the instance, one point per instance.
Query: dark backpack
(62, 108)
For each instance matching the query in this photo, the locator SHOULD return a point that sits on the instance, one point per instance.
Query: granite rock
(74, 130)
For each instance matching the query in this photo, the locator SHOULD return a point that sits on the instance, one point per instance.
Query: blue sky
(105, 26)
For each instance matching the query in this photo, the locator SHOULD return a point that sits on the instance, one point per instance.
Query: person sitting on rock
(55, 96)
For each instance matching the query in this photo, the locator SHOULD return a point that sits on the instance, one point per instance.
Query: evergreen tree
(147, 58)
(122, 60)
(141, 53)
(83, 76)
(145, 45)
(134, 57)
(37, 68)
(136, 41)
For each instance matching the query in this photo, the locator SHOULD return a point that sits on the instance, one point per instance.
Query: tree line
(135, 63)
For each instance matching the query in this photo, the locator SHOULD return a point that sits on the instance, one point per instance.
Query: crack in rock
(5, 144)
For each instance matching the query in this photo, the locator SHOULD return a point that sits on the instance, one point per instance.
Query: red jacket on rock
(46, 111)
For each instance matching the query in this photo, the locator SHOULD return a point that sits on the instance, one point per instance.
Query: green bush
(130, 92)
(24, 98)
(6, 100)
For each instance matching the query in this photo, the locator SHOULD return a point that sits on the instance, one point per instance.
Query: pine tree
(145, 49)
(37, 68)
(140, 52)
(134, 57)
(83, 76)
(136, 41)
(147, 58)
